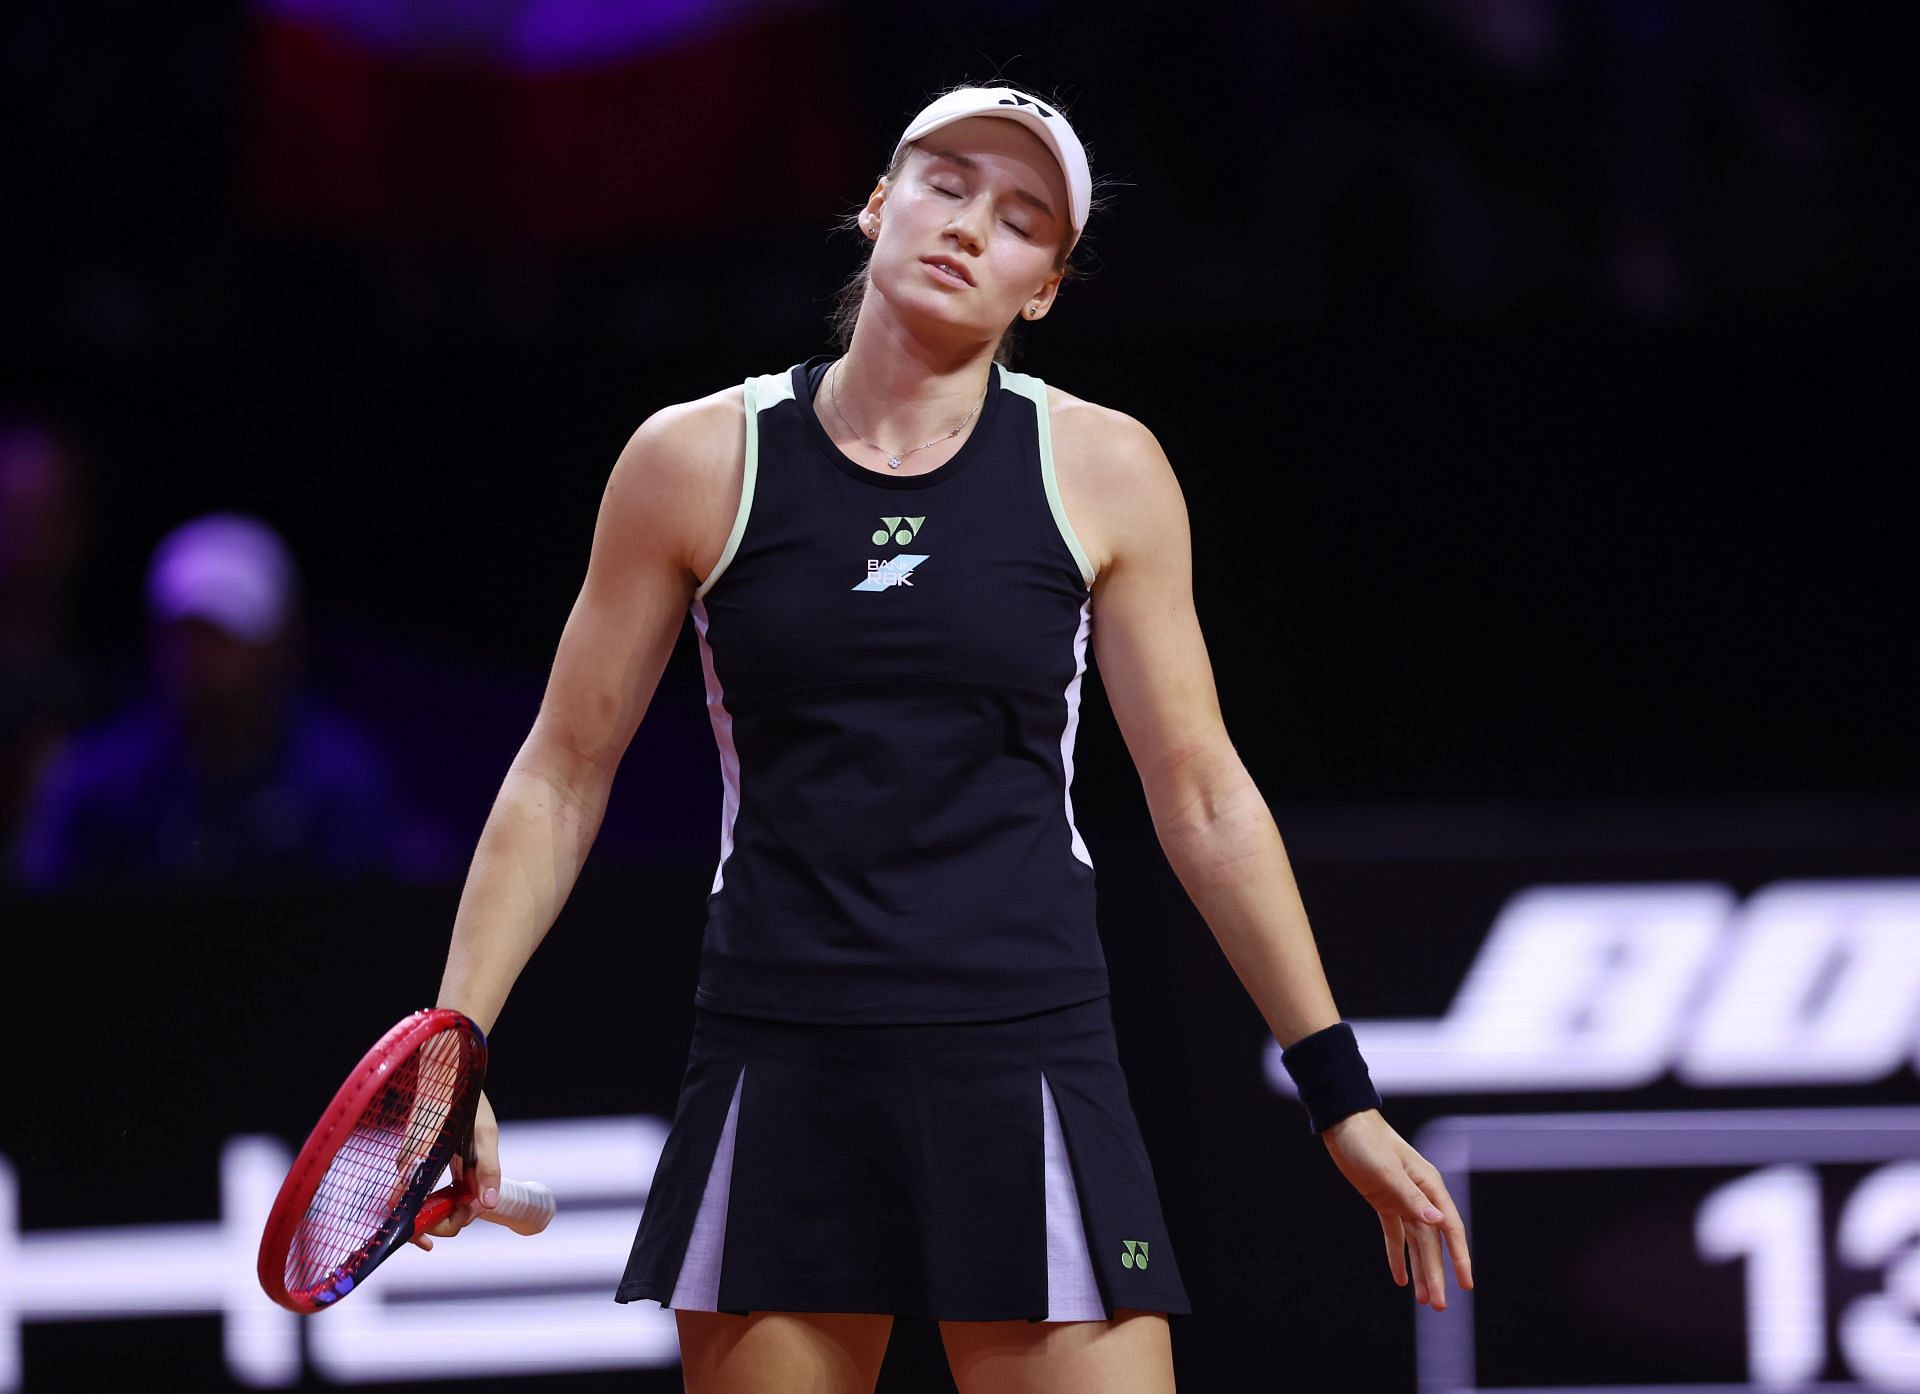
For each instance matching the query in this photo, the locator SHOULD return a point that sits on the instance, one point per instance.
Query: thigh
(1132, 1354)
(782, 1352)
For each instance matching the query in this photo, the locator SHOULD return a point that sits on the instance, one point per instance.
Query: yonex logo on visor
(1018, 100)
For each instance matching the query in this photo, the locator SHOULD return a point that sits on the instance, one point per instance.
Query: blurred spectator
(47, 686)
(227, 772)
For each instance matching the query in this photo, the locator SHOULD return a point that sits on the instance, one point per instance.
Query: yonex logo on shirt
(1136, 1254)
(894, 532)
(896, 570)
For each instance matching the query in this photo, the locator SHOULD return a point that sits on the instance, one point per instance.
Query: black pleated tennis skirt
(969, 1171)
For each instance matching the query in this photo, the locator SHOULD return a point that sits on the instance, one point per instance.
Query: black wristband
(1330, 1075)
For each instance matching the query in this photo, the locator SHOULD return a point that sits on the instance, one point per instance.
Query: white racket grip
(525, 1207)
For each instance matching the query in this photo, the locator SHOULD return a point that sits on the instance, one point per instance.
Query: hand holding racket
(476, 1170)
(358, 1189)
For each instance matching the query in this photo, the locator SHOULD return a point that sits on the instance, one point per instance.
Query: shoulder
(1089, 436)
(682, 443)
(677, 479)
(1117, 483)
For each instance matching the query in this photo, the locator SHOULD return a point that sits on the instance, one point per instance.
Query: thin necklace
(893, 460)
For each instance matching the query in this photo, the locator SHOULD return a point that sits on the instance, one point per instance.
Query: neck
(900, 391)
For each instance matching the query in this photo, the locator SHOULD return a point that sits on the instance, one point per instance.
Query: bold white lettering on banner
(1609, 987)
(488, 1302)
(1576, 987)
(1823, 988)
(157, 1270)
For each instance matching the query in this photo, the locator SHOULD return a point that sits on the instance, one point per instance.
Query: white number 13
(1772, 1219)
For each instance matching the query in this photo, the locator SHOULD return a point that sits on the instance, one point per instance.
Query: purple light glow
(535, 36)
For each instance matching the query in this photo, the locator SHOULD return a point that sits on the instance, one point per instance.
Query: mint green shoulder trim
(1036, 390)
(761, 393)
(772, 389)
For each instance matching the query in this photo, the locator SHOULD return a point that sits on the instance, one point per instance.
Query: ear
(1041, 301)
(870, 215)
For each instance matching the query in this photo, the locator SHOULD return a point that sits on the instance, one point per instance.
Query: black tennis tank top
(893, 667)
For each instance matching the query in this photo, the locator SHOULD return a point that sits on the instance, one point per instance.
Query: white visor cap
(1036, 116)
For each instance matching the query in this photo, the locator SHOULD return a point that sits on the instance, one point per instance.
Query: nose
(967, 222)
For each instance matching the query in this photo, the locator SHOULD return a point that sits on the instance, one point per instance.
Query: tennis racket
(359, 1188)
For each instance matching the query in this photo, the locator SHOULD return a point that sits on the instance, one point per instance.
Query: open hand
(1415, 1210)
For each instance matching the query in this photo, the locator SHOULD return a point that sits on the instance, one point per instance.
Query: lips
(950, 267)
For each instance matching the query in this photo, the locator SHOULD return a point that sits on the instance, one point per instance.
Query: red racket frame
(336, 1125)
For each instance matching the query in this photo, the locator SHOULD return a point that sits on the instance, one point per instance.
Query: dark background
(1484, 503)
(1535, 374)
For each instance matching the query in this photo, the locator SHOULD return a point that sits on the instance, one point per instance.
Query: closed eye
(1005, 222)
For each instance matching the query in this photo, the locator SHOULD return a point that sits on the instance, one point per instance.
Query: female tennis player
(903, 1096)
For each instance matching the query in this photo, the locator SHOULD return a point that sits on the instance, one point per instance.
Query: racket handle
(525, 1207)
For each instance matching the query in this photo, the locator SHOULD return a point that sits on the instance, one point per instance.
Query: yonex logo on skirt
(818, 1165)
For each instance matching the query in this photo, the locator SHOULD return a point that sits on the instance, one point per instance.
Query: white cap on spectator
(227, 569)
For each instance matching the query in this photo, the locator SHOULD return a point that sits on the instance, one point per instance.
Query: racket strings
(389, 1160)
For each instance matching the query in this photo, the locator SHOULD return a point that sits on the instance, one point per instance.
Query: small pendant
(893, 462)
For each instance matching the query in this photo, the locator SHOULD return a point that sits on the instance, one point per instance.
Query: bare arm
(666, 494)
(668, 503)
(1213, 824)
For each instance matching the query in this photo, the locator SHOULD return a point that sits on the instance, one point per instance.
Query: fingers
(1455, 1231)
(447, 1227)
(461, 1215)
(1415, 1204)
(476, 1177)
(1423, 1220)
(1416, 1212)
(1433, 1273)
(1422, 1215)
(1424, 1267)
(1440, 1225)
(1437, 1229)
(1462, 1260)
(486, 1157)
(1396, 1237)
